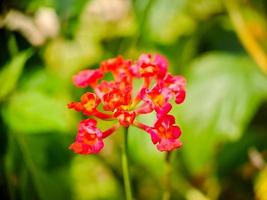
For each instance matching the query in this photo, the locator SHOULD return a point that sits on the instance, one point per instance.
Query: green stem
(12, 45)
(167, 177)
(8, 171)
(125, 168)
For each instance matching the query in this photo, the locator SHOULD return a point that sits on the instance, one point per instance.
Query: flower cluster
(115, 100)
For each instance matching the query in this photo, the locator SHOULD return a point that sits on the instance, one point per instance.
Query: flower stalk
(167, 177)
(125, 167)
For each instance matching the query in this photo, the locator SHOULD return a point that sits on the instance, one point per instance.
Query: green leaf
(165, 29)
(202, 9)
(224, 91)
(38, 106)
(71, 56)
(37, 112)
(11, 73)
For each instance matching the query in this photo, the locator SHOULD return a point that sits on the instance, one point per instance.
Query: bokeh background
(220, 46)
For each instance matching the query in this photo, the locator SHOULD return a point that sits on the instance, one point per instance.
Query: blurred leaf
(165, 29)
(194, 194)
(32, 6)
(202, 9)
(39, 106)
(91, 180)
(36, 112)
(11, 73)
(71, 56)
(40, 80)
(224, 91)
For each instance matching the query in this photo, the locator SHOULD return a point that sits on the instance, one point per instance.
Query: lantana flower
(115, 100)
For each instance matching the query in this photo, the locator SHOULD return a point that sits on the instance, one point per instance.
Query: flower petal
(168, 145)
(87, 77)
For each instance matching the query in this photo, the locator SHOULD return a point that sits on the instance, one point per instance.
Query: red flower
(88, 104)
(125, 118)
(149, 66)
(177, 85)
(117, 66)
(165, 134)
(156, 96)
(89, 138)
(115, 99)
(121, 102)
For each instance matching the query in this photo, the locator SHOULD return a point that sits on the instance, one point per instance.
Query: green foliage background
(218, 45)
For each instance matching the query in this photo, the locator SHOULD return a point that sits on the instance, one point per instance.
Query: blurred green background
(220, 46)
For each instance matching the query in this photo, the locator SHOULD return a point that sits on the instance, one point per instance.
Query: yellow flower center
(158, 100)
(90, 105)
